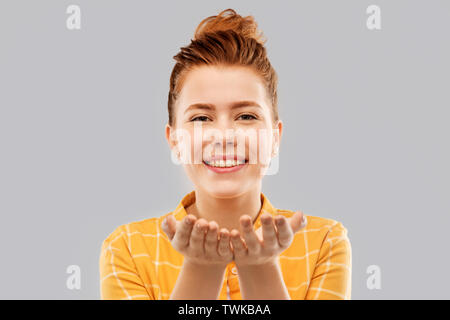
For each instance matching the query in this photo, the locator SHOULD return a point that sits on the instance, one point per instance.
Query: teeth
(224, 164)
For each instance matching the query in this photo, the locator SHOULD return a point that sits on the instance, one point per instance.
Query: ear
(173, 143)
(170, 137)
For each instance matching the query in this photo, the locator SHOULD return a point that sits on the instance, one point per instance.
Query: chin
(224, 191)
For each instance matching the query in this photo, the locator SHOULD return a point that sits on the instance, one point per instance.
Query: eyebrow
(234, 105)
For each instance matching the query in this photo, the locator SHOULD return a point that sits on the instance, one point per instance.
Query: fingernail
(280, 222)
(303, 222)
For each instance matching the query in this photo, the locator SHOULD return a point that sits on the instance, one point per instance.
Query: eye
(247, 115)
(203, 117)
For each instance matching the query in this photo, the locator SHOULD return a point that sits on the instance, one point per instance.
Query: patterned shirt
(137, 260)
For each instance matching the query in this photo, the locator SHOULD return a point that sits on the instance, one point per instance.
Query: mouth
(227, 166)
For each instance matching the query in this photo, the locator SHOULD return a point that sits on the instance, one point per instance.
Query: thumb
(298, 221)
(169, 226)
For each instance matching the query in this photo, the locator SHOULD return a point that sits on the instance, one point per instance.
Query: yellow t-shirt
(137, 260)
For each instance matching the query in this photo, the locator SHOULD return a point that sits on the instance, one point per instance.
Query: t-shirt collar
(180, 211)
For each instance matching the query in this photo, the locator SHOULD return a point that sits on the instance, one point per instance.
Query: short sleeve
(119, 279)
(331, 279)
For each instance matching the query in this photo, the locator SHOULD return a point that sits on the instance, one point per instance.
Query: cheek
(259, 147)
(188, 147)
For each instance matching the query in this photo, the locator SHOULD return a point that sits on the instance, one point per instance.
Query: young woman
(225, 240)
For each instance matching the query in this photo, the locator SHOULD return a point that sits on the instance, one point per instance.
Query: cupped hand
(263, 245)
(198, 240)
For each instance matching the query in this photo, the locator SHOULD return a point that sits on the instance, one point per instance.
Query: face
(224, 112)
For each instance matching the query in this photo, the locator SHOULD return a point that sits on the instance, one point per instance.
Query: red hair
(227, 39)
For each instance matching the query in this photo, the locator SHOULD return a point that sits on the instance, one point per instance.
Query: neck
(226, 211)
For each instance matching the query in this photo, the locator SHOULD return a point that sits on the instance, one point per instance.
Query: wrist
(198, 281)
(262, 281)
(204, 267)
(266, 263)
(271, 263)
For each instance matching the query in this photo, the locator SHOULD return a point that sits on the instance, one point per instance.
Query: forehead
(221, 85)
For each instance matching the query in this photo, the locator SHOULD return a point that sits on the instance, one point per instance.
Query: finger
(285, 233)
(297, 221)
(183, 232)
(224, 247)
(211, 238)
(258, 233)
(197, 240)
(169, 226)
(249, 235)
(237, 242)
(269, 232)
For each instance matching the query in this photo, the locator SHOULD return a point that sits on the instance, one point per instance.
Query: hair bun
(229, 20)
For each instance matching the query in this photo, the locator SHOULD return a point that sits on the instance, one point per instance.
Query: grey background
(82, 116)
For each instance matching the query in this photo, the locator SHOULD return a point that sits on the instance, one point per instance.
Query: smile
(225, 166)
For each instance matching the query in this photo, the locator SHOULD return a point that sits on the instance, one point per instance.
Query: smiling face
(224, 112)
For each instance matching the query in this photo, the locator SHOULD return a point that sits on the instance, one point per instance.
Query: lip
(226, 157)
(225, 170)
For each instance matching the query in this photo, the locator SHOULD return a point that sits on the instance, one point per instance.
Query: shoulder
(328, 225)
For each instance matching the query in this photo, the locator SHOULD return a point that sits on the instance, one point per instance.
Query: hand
(263, 245)
(199, 241)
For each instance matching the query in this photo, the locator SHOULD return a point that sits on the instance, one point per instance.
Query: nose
(228, 140)
(225, 137)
